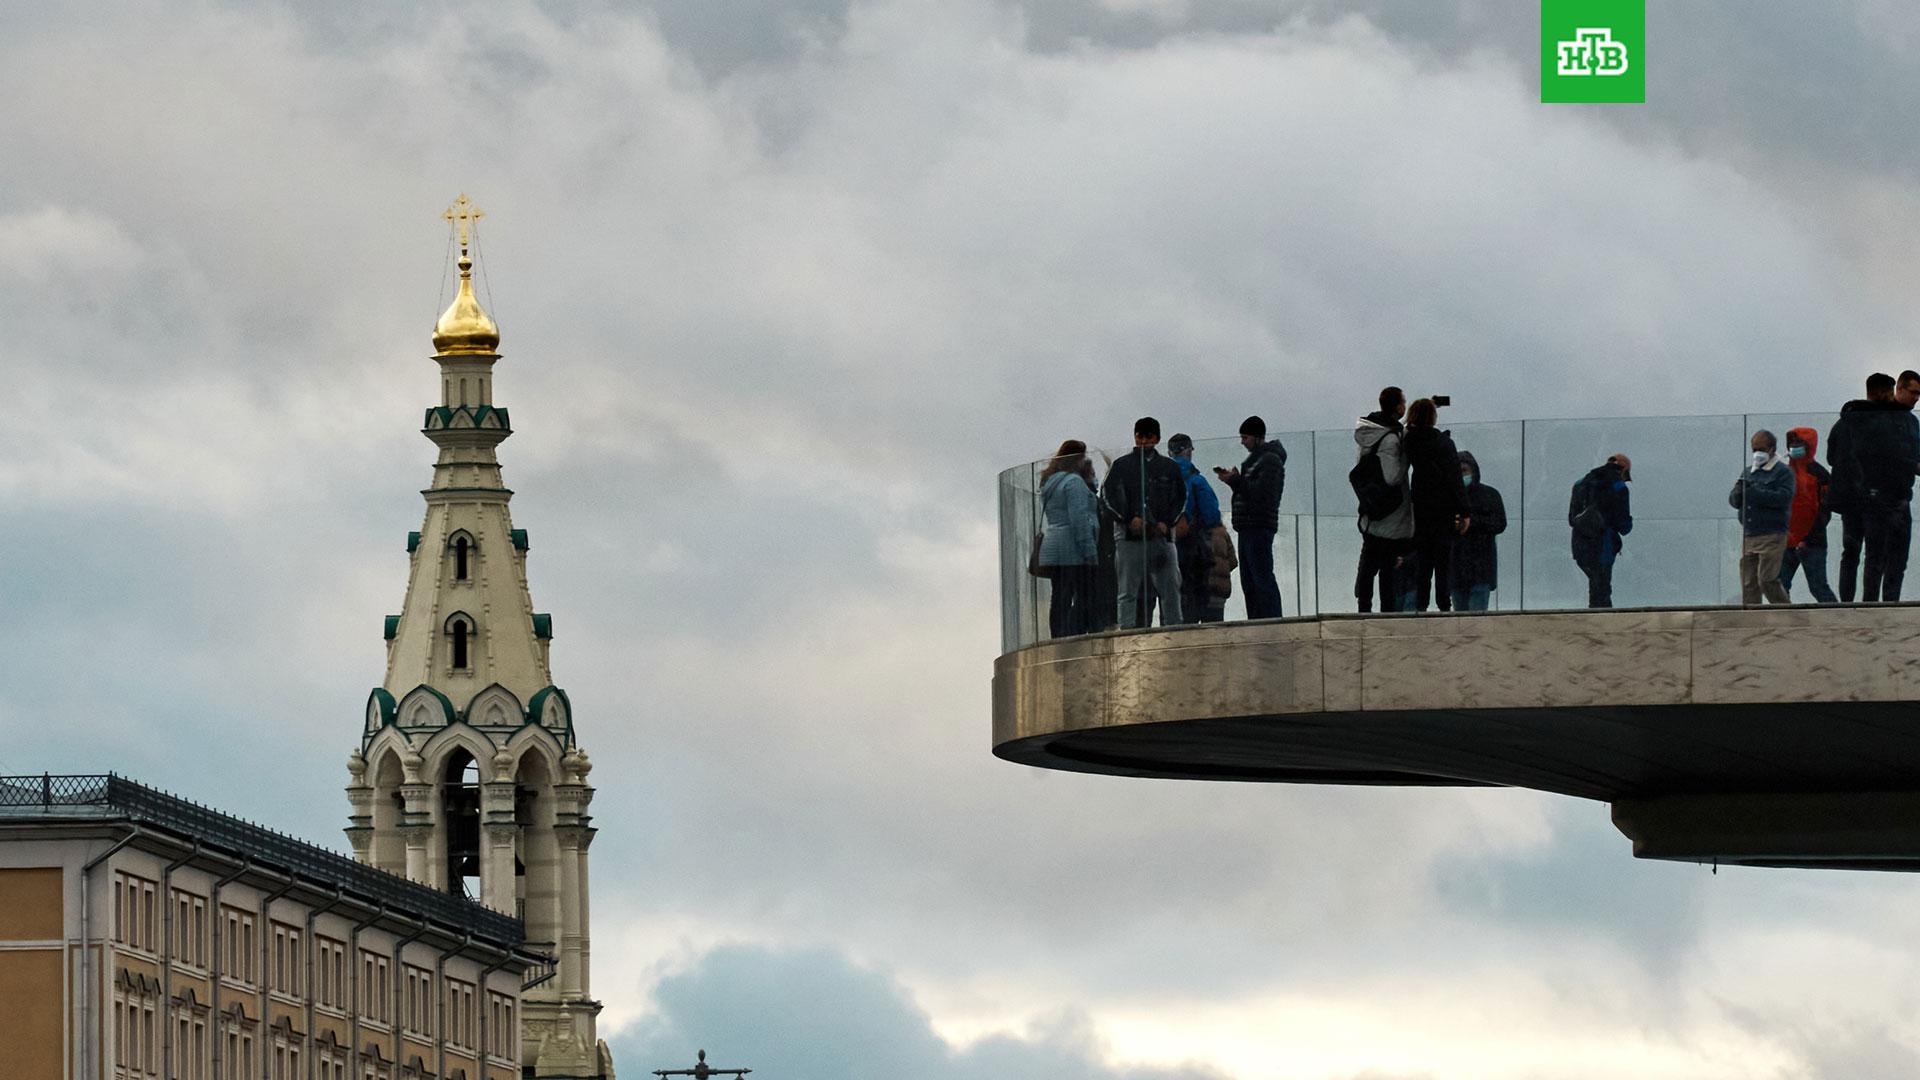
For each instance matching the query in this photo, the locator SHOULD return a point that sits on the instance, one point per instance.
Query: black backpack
(1591, 521)
(1369, 479)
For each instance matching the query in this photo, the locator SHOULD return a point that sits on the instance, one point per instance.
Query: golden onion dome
(464, 328)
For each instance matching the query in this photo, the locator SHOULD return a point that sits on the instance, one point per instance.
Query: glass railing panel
(1679, 550)
(1683, 549)
(1021, 597)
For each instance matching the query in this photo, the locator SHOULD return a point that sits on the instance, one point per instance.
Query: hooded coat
(1883, 448)
(1844, 496)
(1069, 517)
(1203, 506)
(1257, 490)
(1476, 555)
(1382, 430)
(1438, 494)
(1605, 487)
(1812, 484)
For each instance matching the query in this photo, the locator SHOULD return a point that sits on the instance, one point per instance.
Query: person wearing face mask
(1763, 495)
(1807, 520)
(1476, 556)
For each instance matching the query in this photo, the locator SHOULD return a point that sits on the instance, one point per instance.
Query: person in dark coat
(1844, 497)
(1475, 573)
(1884, 447)
(1763, 496)
(1601, 515)
(1147, 495)
(1257, 486)
(1103, 602)
(1439, 508)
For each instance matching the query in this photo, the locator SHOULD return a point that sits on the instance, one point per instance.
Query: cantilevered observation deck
(1762, 736)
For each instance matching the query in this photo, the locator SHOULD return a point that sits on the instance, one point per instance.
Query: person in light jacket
(1384, 542)
(1763, 494)
(1069, 548)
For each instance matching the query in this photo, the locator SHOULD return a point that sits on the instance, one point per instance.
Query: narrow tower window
(460, 559)
(460, 644)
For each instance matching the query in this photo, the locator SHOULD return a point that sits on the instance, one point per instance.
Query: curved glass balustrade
(1683, 549)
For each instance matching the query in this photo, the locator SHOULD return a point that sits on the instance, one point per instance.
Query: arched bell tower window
(460, 635)
(460, 806)
(464, 549)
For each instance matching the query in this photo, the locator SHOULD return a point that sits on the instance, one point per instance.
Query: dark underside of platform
(1607, 753)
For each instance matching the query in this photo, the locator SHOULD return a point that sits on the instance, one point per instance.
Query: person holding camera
(1439, 508)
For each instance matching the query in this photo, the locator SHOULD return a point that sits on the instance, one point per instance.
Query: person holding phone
(1257, 486)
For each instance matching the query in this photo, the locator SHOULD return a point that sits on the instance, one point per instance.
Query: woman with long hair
(1069, 548)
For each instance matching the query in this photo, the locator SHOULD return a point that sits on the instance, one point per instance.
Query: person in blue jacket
(1601, 515)
(1196, 547)
(1763, 495)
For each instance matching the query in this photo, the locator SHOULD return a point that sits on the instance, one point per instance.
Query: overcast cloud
(782, 287)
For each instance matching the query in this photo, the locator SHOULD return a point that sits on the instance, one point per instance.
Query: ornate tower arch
(467, 777)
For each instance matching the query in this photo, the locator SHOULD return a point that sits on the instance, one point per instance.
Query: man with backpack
(1600, 515)
(1379, 480)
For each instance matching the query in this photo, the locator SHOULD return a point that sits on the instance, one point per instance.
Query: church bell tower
(468, 777)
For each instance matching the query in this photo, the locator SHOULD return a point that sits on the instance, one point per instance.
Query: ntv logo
(1593, 52)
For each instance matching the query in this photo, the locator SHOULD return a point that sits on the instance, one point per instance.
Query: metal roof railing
(51, 795)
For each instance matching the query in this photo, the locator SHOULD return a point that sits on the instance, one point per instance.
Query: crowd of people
(1152, 535)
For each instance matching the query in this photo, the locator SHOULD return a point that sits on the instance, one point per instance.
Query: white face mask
(1760, 458)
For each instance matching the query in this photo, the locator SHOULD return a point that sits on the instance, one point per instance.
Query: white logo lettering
(1593, 52)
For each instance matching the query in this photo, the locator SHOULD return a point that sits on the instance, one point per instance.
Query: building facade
(145, 937)
(467, 777)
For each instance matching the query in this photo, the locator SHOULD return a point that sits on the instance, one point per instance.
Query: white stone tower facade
(468, 777)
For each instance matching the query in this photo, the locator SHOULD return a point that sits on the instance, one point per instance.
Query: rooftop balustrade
(1683, 550)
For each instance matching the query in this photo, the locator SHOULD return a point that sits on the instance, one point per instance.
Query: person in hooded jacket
(1475, 573)
(1600, 514)
(1807, 520)
(1069, 546)
(1763, 494)
(1257, 486)
(1846, 496)
(1439, 508)
(1196, 547)
(1384, 541)
(1146, 494)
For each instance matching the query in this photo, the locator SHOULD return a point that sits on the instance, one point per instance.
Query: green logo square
(1593, 50)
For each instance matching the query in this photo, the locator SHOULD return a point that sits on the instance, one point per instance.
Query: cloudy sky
(782, 287)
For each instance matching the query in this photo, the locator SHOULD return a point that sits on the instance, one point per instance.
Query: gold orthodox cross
(463, 215)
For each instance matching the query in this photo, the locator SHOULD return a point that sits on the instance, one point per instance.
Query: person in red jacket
(1807, 518)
